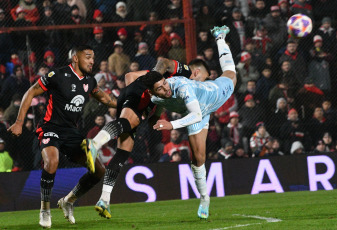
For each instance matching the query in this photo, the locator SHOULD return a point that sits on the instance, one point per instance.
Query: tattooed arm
(164, 65)
(104, 98)
(33, 91)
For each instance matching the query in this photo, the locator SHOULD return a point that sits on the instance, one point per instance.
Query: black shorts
(66, 140)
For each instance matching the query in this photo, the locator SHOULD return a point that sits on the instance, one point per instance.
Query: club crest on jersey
(186, 67)
(85, 87)
(73, 87)
(45, 141)
(52, 73)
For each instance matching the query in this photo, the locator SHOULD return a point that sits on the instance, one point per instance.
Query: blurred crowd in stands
(284, 103)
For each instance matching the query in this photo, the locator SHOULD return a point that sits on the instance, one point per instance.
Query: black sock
(86, 182)
(113, 168)
(117, 127)
(46, 185)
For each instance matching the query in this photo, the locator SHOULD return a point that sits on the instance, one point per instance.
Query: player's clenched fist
(15, 129)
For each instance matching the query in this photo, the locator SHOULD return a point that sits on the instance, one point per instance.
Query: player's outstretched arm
(132, 76)
(194, 115)
(165, 65)
(230, 74)
(104, 98)
(33, 91)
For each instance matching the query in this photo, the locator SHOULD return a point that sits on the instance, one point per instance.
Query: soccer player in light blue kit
(195, 101)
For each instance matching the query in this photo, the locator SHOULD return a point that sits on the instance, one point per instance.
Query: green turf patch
(290, 210)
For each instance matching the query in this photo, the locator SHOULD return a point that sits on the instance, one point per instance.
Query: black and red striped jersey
(68, 92)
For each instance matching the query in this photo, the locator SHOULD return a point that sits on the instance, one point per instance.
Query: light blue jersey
(209, 94)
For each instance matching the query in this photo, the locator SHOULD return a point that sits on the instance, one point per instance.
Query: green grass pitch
(290, 210)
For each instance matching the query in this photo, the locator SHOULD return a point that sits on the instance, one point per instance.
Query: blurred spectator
(318, 125)
(120, 82)
(49, 59)
(14, 84)
(151, 32)
(140, 15)
(99, 123)
(293, 130)
(226, 151)
(258, 58)
(284, 9)
(277, 118)
(175, 157)
(205, 19)
(328, 35)
(287, 75)
(110, 79)
(6, 162)
(134, 66)
(262, 41)
(175, 8)
(296, 60)
(224, 12)
(329, 144)
(177, 50)
(318, 68)
(214, 74)
(256, 16)
(101, 82)
(264, 84)
(213, 137)
(119, 62)
(12, 111)
(297, 148)
(237, 37)
(176, 144)
(75, 15)
(223, 113)
(6, 43)
(250, 89)
(62, 12)
(280, 90)
(247, 120)
(210, 57)
(233, 131)
(31, 12)
(202, 40)
(163, 42)
(301, 7)
(129, 49)
(145, 60)
(258, 140)
(76, 36)
(239, 152)
(121, 13)
(308, 98)
(98, 16)
(319, 147)
(177, 27)
(274, 149)
(246, 71)
(82, 9)
(328, 111)
(276, 27)
(14, 61)
(100, 45)
(107, 7)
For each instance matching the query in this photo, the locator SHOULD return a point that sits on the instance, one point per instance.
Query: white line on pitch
(260, 217)
(235, 226)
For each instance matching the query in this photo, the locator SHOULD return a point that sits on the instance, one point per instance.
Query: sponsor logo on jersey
(75, 103)
(50, 134)
(73, 87)
(52, 73)
(45, 141)
(85, 87)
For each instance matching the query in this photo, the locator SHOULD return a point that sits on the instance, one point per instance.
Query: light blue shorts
(197, 127)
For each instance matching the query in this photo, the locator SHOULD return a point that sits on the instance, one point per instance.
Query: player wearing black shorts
(133, 103)
(68, 89)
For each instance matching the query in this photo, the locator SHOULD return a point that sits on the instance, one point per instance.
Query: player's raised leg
(225, 55)
(124, 148)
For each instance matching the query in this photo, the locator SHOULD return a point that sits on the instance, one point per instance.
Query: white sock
(101, 139)
(199, 174)
(106, 193)
(225, 55)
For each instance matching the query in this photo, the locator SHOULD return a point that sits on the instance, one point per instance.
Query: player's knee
(50, 165)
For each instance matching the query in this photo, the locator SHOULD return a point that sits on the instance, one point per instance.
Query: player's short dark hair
(80, 48)
(151, 78)
(199, 62)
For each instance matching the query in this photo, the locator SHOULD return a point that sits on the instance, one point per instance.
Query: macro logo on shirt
(75, 103)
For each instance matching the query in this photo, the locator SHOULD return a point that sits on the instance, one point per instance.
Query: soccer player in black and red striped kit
(68, 89)
(133, 102)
